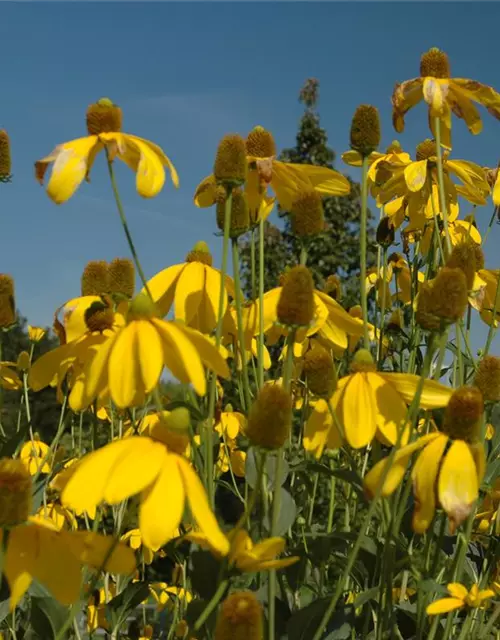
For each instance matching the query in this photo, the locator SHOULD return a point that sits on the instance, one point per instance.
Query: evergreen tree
(336, 251)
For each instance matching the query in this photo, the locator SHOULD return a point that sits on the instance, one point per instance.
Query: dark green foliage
(336, 251)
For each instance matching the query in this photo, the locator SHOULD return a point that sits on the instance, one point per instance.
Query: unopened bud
(200, 253)
(320, 372)
(365, 130)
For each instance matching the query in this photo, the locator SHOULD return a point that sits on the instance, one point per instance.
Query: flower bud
(443, 300)
(467, 256)
(23, 361)
(6, 285)
(426, 149)
(307, 215)
(230, 167)
(363, 362)
(35, 334)
(5, 159)
(462, 417)
(333, 287)
(434, 64)
(95, 278)
(260, 143)
(240, 217)
(487, 378)
(240, 618)
(270, 418)
(200, 253)
(296, 301)
(121, 277)
(103, 117)
(15, 492)
(320, 372)
(365, 130)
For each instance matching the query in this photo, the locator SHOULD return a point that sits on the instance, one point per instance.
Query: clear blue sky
(186, 74)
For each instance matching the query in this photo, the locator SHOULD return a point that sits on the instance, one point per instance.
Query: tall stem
(209, 453)
(252, 264)
(440, 172)
(364, 216)
(261, 305)
(123, 220)
(492, 328)
(239, 318)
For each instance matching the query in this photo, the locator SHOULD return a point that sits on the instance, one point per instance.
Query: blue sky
(185, 74)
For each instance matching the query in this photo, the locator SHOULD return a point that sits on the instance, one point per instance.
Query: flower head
(5, 159)
(487, 378)
(15, 492)
(35, 334)
(365, 130)
(460, 597)
(296, 302)
(121, 276)
(240, 618)
(270, 417)
(230, 167)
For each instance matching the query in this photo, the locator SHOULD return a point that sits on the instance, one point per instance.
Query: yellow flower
(448, 477)
(33, 453)
(165, 595)
(35, 334)
(193, 287)
(130, 361)
(141, 465)
(459, 230)
(8, 377)
(55, 558)
(403, 277)
(330, 321)
(73, 160)
(250, 312)
(443, 95)
(412, 191)
(484, 295)
(460, 597)
(368, 404)
(96, 608)
(488, 511)
(134, 540)
(284, 178)
(231, 423)
(57, 515)
(246, 556)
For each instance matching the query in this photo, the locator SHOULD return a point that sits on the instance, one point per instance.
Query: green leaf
(287, 514)
(47, 617)
(303, 624)
(270, 469)
(131, 597)
(366, 596)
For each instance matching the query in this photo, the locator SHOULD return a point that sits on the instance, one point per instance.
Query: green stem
(492, 220)
(216, 598)
(363, 231)
(287, 375)
(123, 219)
(303, 255)
(331, 505)
(440, 172)
(209, 454)
(494, 617)
(492, 328)
(382, 309)
(241, 331)
(341, 583)
(252, 264)
(261, 305)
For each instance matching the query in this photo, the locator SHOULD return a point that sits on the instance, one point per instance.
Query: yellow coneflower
(270, 418)
(307, 214)
(240, 618)
(296, 302)
(365, 130)
(72, 161)
(193, 287)
(121, 277)
(460, 597)
(230, 166)
(33, 453)
(444, 95)
(35, 334)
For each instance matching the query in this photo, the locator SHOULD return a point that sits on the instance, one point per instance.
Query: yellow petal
(352, 158)
(135, 470)
(416, 175)
(70, 167)
(357, 411)
(397, 470)
(162, 287)
(211, 357)
(478, 92)
(93, 549)
(200, 508)
(458, 484)
(19, 562)
(96, 370)
(124, 370)
(149, 354)
(269, 548)
(162, 505)
(325, 181)
(164, 159)
(496, 191)
(205, 193)
(424, 477)
(457, 590)
(434, 394)
(320, 430)
(445, 605)
(463, 108)
(390, 410)
(85, 488)
(189, 291)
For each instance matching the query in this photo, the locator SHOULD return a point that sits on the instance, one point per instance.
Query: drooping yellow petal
(390, 410)
(434, 394)
(135, 470)
(162, 287)
(124, 369)
(189, 291)
(96, 371)
(457, 590)
(405, 96)
(465, 109)
(424, 477)
(482, 93)
(85, 488)
(352, 158)
(70, 167)
(200, 508)
(326, 181)
(93, 549)
(210, 356)
(458, 484)
(44, 370)
(357, 411)
(149, 354)
(397, 470)
(19, 562)
(269, 548)
(416, 175)
(320, 430)
(445, 605)
(205, 192)
(56, 566)
(164, 159)
(162, 505)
